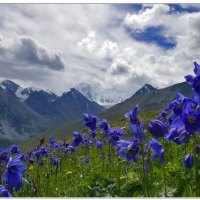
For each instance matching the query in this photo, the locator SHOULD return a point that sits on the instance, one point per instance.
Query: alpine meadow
(99, 100)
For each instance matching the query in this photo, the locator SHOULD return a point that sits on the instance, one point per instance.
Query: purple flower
(52, 142)
(4, 156)
(197, 149)
(178, 135)
(191, 117)
(4, 192)
(14, 149)
(188, 161)
(78, 138)
(70, 149)
(54, 161)
(23, 157)
(196, 68)
(90, 121)
(157, 149)
(114, 135)
(31, 160)
(128, 150)
(157, 128)
(43, 151)
(37, 155)
(133, 115)
(99, 145)
(93, 134)
(86, 159)
(104, 126)
(13, 174)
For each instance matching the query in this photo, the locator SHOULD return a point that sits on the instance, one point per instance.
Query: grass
(103, 177)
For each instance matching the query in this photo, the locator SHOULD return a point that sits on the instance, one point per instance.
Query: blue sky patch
(179, 8)
(153, 35)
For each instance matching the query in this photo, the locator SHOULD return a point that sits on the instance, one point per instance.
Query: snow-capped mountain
(145, 88)
(9, 87)
(23, 94)
(95, 93)
(28, 111)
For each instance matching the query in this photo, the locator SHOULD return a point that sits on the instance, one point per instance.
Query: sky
(115, 48)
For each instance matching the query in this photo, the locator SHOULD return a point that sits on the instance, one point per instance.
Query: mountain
(145, 88)
(9, 87)
(41, 102)
(94, 92)
(17, 121)
(72, 104)
(149, 99)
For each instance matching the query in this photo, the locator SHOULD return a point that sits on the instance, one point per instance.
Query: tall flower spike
(13, 174)
(4, 192)
(90, 121)
(157, 149)
(188, 161)
(157, 128)
(128, 150)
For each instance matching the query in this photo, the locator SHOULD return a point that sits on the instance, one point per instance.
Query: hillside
(152, 100)
(17, 121)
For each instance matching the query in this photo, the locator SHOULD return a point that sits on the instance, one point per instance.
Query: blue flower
(128, 150)
(43, 151)
(188, 161)
(31, 160)
(86, 159)
(157, 149)
(70, 149)
(99, 145)
(93, 134)
(191, 117)
(133, 115)
(14, 149)
(54, 161)
(78, 138)
(90, 121)
(4, 192)
(37, 154)
(114, 135)
(103, 125)
(13, 174)
(179, 135)
(157, 128)
(52, 142)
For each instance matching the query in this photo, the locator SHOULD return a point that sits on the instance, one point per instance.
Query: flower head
(13, 174)
(86, 159)
(54, 161)
(114, 135)
(157, 149)
(157, 128)
(128, 150)
(78, 138)
(133, 115)
(188, 161)
(103, 125)
(14, 149)
(4, 192)
(90, 121)
(99, 145)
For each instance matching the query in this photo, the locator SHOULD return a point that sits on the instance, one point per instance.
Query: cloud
(149, 17)
(109, 50)
(97, 42)
(30, 51)
(88, 44)
(119, 67)
(91, 45)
